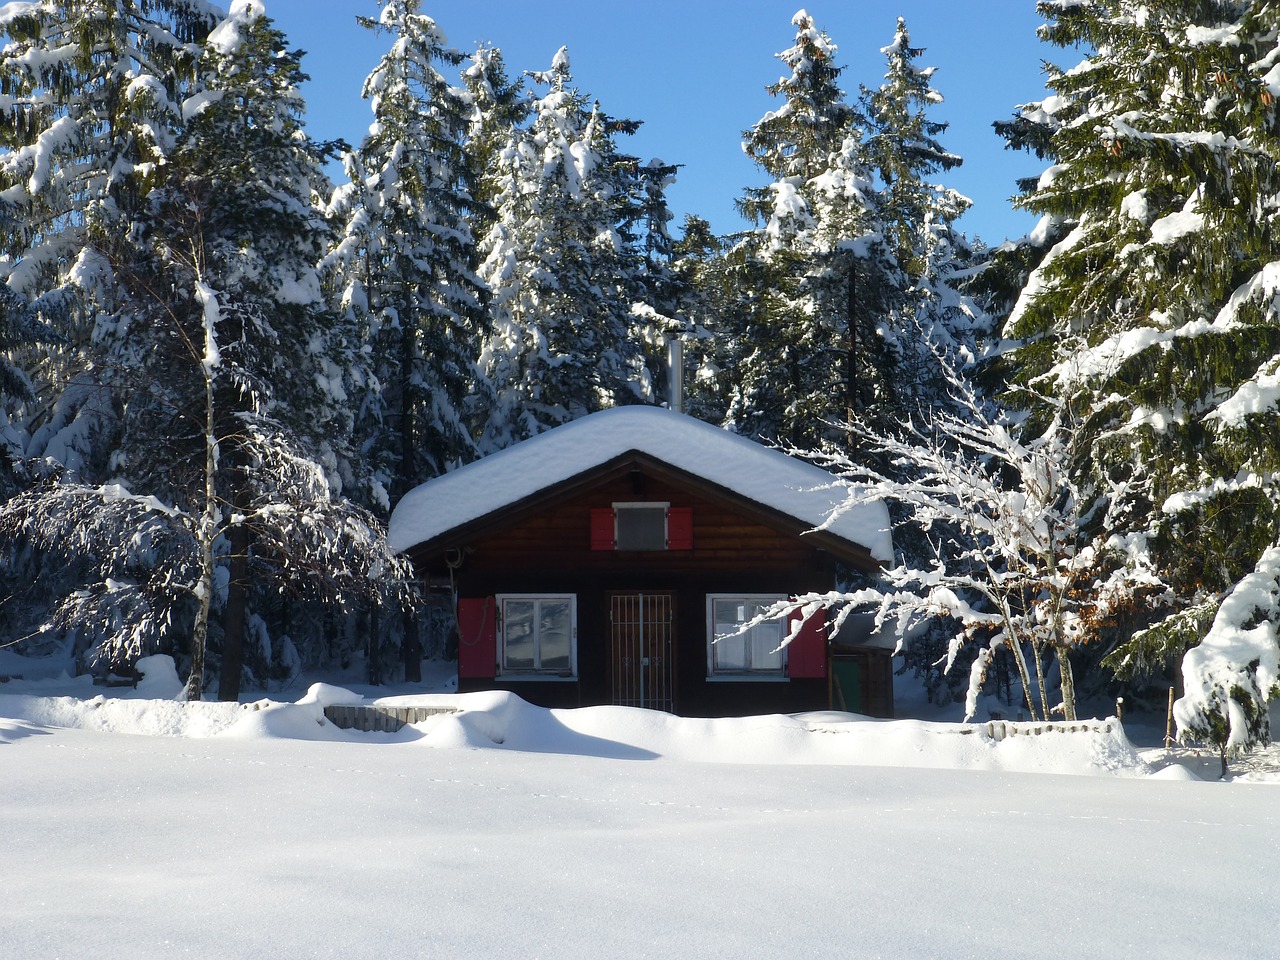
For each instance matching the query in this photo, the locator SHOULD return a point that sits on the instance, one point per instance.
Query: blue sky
(694, 72)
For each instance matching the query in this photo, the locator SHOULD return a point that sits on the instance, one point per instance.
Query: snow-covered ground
(135, 826)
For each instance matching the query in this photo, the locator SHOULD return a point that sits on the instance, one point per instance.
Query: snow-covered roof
(752, 471)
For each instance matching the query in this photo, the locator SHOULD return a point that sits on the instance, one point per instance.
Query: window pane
(764, 640)
(727, 612)
(642, 528)
(729, 653)
(518, 634)
(752, 653)
(555, 634)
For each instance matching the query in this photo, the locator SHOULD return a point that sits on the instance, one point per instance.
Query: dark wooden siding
(732, 552)
(561, 536)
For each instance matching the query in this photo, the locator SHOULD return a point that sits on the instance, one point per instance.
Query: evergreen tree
(90, 108)
(704, 299)
(561, 269)
(904, 149)
(807, 348)
(91, 101)
(499, 106)
(1154, 318)
(919, 218)
(657, 292)
(404, 261)
(227, 394)
(241, 236)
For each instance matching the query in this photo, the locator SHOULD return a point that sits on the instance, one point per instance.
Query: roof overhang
(428, 553)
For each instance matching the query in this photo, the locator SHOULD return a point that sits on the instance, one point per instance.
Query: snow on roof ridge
(755, 472)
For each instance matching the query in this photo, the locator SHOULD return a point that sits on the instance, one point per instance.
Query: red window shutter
(602, 533)
(680, 528)
(807, 653)
(478, 638)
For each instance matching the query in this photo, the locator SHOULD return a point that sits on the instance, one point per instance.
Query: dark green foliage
(1152, 316)
(807, 340)
(904, 150)
(566, 264)
(404, 266)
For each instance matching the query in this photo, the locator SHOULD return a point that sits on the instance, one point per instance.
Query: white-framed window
(755, 654)
(640, 526)
(538, 634)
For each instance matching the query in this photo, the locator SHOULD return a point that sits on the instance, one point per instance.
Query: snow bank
(497, 720)
(153, 718)
(160, 679)
(828, 739)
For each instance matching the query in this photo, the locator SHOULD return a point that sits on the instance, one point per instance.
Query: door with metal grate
(643, 628)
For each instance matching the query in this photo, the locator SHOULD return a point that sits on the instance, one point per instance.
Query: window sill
(540, 677)
(746, 678)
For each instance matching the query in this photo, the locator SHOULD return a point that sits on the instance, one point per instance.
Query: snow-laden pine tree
(90, 112)
(816, 273)
(561, 269)
(1154, 320)
(904, 147)
(224, 492)
(919, 215)
(499, 106)
(91, 101)
(242, 232)
(403, 262)
(658, 293)
(705, 299)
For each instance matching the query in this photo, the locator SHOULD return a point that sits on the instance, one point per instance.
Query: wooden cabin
(599, 562)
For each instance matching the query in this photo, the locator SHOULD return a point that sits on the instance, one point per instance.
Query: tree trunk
(234, 615)
(1044, 695)
(200, 630)
(1020, 659)
(373, 648)
(407, 469)
(206, 531)
(412, 649)
(851, 355)
(1068, 684)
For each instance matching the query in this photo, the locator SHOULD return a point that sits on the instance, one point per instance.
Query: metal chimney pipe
(675, 375)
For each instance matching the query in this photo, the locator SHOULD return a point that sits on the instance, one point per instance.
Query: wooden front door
(643, 626)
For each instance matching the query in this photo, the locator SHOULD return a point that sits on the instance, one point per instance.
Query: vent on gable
(642, 526)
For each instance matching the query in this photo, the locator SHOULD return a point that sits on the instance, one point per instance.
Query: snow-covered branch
(1234, 673)
(1011, 559)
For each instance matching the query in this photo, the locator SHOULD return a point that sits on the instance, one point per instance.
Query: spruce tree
(905, 151)
(919, 217)
(1153, 320)
(189, 324)
(91, 95)
(243, 230)
(705, 299)
(561, 269)
(807, 347)
(499, 106)
(404, 260)
(91, 99)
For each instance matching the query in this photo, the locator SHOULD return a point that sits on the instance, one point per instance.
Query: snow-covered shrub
(1232, 676)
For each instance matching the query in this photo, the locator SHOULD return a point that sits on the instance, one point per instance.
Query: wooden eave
(428, 552)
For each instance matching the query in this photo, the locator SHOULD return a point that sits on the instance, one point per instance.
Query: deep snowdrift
(498, 720)
(144, 827)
